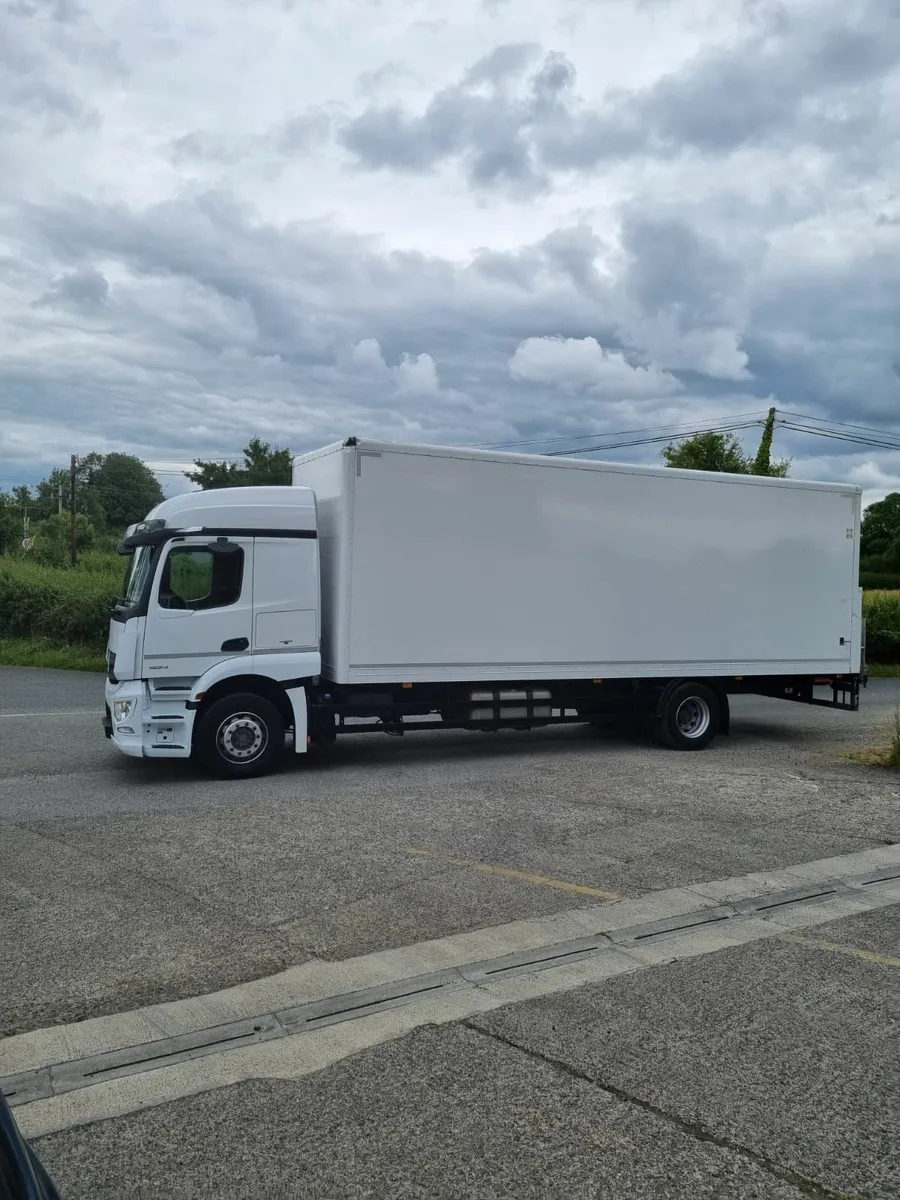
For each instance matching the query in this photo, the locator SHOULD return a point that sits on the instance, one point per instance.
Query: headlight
(122, 709)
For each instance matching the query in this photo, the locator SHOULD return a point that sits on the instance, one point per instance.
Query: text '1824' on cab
(400, 588)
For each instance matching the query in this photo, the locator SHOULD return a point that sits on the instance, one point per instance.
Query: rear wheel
(691, 717)
(240, 736)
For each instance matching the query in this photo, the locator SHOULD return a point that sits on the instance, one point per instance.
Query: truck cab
(217, 633)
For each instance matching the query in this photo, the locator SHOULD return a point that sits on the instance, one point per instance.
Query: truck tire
(691, 717)
(240, 736)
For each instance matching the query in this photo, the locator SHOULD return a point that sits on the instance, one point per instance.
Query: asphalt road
(763, 1070)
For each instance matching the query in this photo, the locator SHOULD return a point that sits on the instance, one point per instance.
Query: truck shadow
(377, 749)
(372, 750)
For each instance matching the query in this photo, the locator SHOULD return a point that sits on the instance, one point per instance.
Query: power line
(837, 435)
(572, 437)
(655, 438)
(844, 424)
(853, 435)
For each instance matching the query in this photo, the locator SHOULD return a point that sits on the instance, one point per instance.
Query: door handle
(236, 644)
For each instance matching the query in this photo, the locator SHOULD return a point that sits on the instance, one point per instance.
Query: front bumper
(159, 728)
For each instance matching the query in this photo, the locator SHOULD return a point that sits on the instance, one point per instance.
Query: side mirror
(222, 546)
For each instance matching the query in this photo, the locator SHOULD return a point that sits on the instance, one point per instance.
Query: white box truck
(424, 587)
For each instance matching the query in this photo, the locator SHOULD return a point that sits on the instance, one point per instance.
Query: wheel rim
(692, 717)
(242, 737)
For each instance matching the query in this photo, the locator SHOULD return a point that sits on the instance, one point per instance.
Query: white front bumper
(159, 728)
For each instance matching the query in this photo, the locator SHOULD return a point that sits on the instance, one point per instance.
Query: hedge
(879, 581)
(881, 610)
(62, 605)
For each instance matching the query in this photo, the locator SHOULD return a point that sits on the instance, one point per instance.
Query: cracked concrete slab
(780, 1046)
(445, 1113)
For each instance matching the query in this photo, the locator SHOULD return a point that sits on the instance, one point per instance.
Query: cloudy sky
(474, 222)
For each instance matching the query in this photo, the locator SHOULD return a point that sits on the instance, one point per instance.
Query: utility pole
(59, 510)
(762, 464)
(72, 463)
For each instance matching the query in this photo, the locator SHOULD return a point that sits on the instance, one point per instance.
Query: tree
(723, 452)
(124, 488)
(10, 523)
(880, 533)
(53, 538)
(708, 452)
(55, 493)
(110, 489)
(263, 464)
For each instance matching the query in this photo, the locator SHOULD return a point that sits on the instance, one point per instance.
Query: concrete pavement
(124, 883)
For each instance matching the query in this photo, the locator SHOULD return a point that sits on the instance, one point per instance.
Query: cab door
(201, 606)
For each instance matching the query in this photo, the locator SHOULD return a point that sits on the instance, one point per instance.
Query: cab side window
(194, 577)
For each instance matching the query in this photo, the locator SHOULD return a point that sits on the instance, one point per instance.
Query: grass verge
(38, 652)
(881, 756)
(884, 670)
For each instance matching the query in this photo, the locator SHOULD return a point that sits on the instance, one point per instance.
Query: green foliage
(762, 464)
(53, 538)
(881, 610)
(893, 752)
(124, 488)
(66, 606)
(56, 490)
(881, 530)
(41, 652)
(879, 563)
(10, 524)
(886, 755)
(111, 490)
(263, 464)
(723, 452)
(707, 452)
(879, 580)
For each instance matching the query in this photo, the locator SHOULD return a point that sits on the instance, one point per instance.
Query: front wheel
(691, 717)
(240, 736)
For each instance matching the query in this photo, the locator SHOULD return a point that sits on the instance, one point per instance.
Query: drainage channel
(65, 1077)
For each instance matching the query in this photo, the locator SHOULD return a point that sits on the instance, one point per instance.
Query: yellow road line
(840, 948)
(521, 876)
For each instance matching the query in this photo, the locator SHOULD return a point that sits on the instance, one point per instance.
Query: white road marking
(76, 712)
(295, 1055)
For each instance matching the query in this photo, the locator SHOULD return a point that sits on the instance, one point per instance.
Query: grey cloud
(58, 107)
(300, 134)
(199, 146)
(475, 119)
(389, 137)
(670, 263)
(225, 325)
(574, 251)
(199, 322)
(388, 73)
(289, 138)
(568, 253)
(85, 288)
(43, 44)
(66, 12)
(811, 75)
(502, 63)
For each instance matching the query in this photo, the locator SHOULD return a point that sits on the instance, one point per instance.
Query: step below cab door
(201, 607)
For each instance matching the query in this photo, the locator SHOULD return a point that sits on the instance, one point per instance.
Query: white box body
(443, 564)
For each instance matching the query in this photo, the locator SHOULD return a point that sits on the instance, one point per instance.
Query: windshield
(141, 565)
